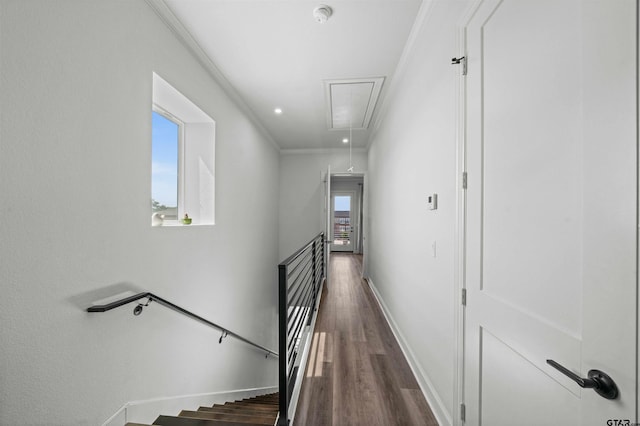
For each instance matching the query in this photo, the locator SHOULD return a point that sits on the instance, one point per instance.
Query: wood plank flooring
(357, 373)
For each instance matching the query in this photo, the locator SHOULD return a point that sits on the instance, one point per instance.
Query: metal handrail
(153, 298)
(295, 255)
(300, 277)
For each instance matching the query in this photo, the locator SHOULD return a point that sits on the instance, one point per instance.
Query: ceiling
(273, 54)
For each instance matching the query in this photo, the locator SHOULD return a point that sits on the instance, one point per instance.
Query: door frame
(364, 204)
(363, 176)
(326, 210)
(460, 236)
(638, 212)
(352, 216)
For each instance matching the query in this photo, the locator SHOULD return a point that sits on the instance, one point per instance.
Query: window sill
(176, 224)
(157, 222)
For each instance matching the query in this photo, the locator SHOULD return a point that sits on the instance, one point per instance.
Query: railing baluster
(313, 263)
(300, 277)
(283, 399)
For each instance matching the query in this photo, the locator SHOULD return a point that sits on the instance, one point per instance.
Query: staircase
(261, 410)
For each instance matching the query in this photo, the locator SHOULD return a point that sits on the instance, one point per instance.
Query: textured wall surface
(412, 156)
(75, 171)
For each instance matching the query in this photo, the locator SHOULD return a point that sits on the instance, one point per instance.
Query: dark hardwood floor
(357, 373)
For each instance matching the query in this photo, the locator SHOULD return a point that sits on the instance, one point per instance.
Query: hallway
(357, 374)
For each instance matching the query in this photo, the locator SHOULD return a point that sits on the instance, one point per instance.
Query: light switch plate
(432, 201)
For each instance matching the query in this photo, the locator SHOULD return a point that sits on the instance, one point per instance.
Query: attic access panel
(351, 102)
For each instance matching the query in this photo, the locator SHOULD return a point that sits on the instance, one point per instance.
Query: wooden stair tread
(232, 417)
(257, 411)
(259, 400)
(239, 412)
(252, 406)
(256, 404)
(188, 421)
(268, 396)
(226, 410)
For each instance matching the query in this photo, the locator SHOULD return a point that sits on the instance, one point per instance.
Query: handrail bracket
(138, 309)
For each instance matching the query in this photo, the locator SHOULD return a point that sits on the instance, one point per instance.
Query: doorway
(342, 221)
(347, 216)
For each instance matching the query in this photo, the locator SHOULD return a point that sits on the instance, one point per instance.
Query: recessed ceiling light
(345, 140)
(278, 111)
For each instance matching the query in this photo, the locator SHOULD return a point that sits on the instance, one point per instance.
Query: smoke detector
(322, 13)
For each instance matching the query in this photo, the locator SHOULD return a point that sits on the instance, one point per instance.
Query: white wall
(413, 155)
(302, 193)
(75, 143)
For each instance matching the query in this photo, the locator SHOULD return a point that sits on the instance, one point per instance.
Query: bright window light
(182, 160)
(166, 135)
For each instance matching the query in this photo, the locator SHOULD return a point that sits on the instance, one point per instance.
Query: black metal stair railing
(300, 279)
(153, 298)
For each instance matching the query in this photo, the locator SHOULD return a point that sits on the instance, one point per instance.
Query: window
(182, 160)
(166, 135)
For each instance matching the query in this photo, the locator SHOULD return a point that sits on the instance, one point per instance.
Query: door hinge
(461, 60)
(463, 412)
(464, 180)
(464, 297)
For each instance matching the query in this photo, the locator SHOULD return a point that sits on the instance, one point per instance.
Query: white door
(343, 221)
(551, 206)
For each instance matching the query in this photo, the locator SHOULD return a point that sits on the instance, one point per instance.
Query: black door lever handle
(597, 380)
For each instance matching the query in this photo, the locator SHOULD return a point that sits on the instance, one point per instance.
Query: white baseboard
(426, 386)
(146, 411)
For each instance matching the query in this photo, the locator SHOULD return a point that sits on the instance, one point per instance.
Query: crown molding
(161, 8)
(401, 68)
(315, 151)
